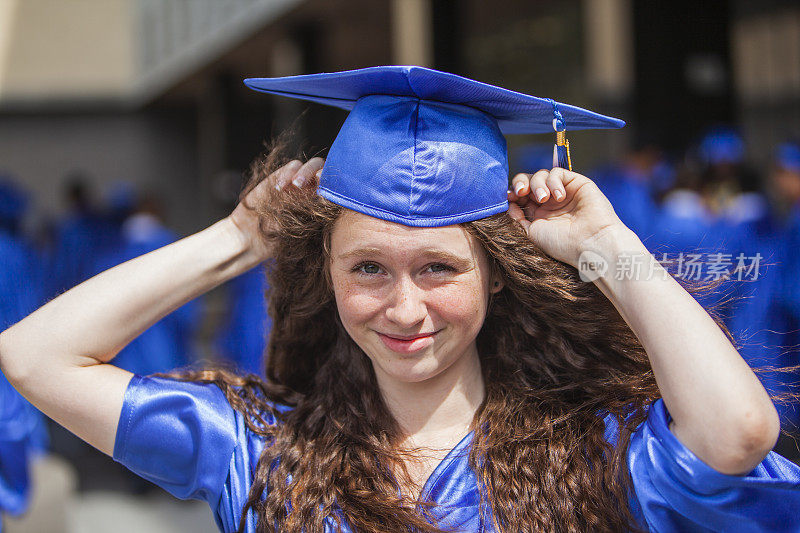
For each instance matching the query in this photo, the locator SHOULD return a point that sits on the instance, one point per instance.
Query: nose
(407, 307)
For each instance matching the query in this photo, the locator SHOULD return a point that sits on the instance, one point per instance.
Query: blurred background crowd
(124, 125)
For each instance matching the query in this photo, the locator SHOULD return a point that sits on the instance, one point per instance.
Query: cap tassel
(561, 157)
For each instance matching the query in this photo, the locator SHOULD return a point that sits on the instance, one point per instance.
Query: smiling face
(414, 299)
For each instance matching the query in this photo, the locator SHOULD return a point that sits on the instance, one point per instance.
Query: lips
(407, 343)
(408, 337)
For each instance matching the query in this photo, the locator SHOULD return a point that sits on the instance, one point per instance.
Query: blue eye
(440, 267)
(367, 268)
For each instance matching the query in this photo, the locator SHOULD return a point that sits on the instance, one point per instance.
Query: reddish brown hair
(555, 355)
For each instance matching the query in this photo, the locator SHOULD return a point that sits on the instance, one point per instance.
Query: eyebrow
(438, 255)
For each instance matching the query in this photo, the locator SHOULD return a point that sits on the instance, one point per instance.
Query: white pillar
(412, 33)
(609, 47)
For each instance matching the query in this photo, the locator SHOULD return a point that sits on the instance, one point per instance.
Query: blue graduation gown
(186, 438)
(789, 298)
(630, 196)
(80, 239)
(168, 343)
(243, 338)
(22, 428)
(14, 417)
(757, 319)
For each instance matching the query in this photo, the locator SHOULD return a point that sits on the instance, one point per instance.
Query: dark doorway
(683, 74)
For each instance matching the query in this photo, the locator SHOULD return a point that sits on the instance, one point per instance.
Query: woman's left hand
(562, 211)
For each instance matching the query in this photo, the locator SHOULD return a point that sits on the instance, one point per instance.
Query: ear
(496, 285)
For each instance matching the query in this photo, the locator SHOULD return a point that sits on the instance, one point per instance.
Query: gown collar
(459, 451)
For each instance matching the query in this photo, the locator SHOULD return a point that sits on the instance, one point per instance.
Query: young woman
(431, 364)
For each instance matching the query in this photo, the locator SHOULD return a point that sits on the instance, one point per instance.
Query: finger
(539, 186)
(572, 181)
(513, 198)
(555, 183)
(520, 184)
(529, 211)
(516, 213)
(305, 173)
(284, 175)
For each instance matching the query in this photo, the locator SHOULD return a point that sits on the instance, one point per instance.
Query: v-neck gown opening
(186, 438)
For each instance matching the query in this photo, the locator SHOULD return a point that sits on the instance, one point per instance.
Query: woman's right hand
(245, 217)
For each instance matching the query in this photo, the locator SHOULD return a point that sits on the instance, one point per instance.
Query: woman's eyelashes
(369, 268)
(440, 267)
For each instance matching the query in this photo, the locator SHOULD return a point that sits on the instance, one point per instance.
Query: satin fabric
(422, 147)
(242, 340)
(186, 438)
(429, 163)
(515, 112)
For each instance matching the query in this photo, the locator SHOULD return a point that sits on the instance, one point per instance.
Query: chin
(413, 368)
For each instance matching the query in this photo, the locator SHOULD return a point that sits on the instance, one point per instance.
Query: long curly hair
(556, 357)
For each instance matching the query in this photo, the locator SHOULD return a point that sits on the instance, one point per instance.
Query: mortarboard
(789, 156)
(722, 145)
(422, 147)
(13, 200)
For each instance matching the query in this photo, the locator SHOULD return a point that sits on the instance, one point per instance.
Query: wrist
(604, 256)
(241, 245)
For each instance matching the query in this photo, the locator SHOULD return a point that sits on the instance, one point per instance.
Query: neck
(441, 405)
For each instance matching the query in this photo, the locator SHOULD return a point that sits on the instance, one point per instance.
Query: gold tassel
(561, 140)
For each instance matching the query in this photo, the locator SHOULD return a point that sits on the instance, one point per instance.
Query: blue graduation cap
(722, 145)
(422, 147)
(789, 156)
(13, 200)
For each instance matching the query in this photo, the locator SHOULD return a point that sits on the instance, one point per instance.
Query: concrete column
(609, 48)
(211, 141)
(412, 33)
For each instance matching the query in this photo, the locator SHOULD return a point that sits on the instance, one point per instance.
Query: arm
(718, 407)
(57, 356)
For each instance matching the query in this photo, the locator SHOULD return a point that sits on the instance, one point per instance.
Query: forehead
(355, 230)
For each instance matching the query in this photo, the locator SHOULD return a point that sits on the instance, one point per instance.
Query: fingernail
(518, 187)
(318, 173)
(298, 182)
(558, 194)
(540, 194)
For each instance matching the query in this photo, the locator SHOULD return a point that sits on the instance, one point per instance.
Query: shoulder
(186, 436)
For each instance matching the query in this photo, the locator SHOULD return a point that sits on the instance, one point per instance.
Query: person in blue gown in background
(633, 184)
(242, 339)
(785, 181)
(432, 343)
(22, 429)
(80, 237)
(15, 418)
(785, 178)
(169, 343)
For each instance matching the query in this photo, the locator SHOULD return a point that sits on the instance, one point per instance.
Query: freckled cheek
(356, 303)
(458, 304)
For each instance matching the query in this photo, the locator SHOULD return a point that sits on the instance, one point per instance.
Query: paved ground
(102, 512)
(58, 507)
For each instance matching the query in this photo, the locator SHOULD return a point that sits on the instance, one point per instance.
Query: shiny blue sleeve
(179, 435)
(677, 492)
